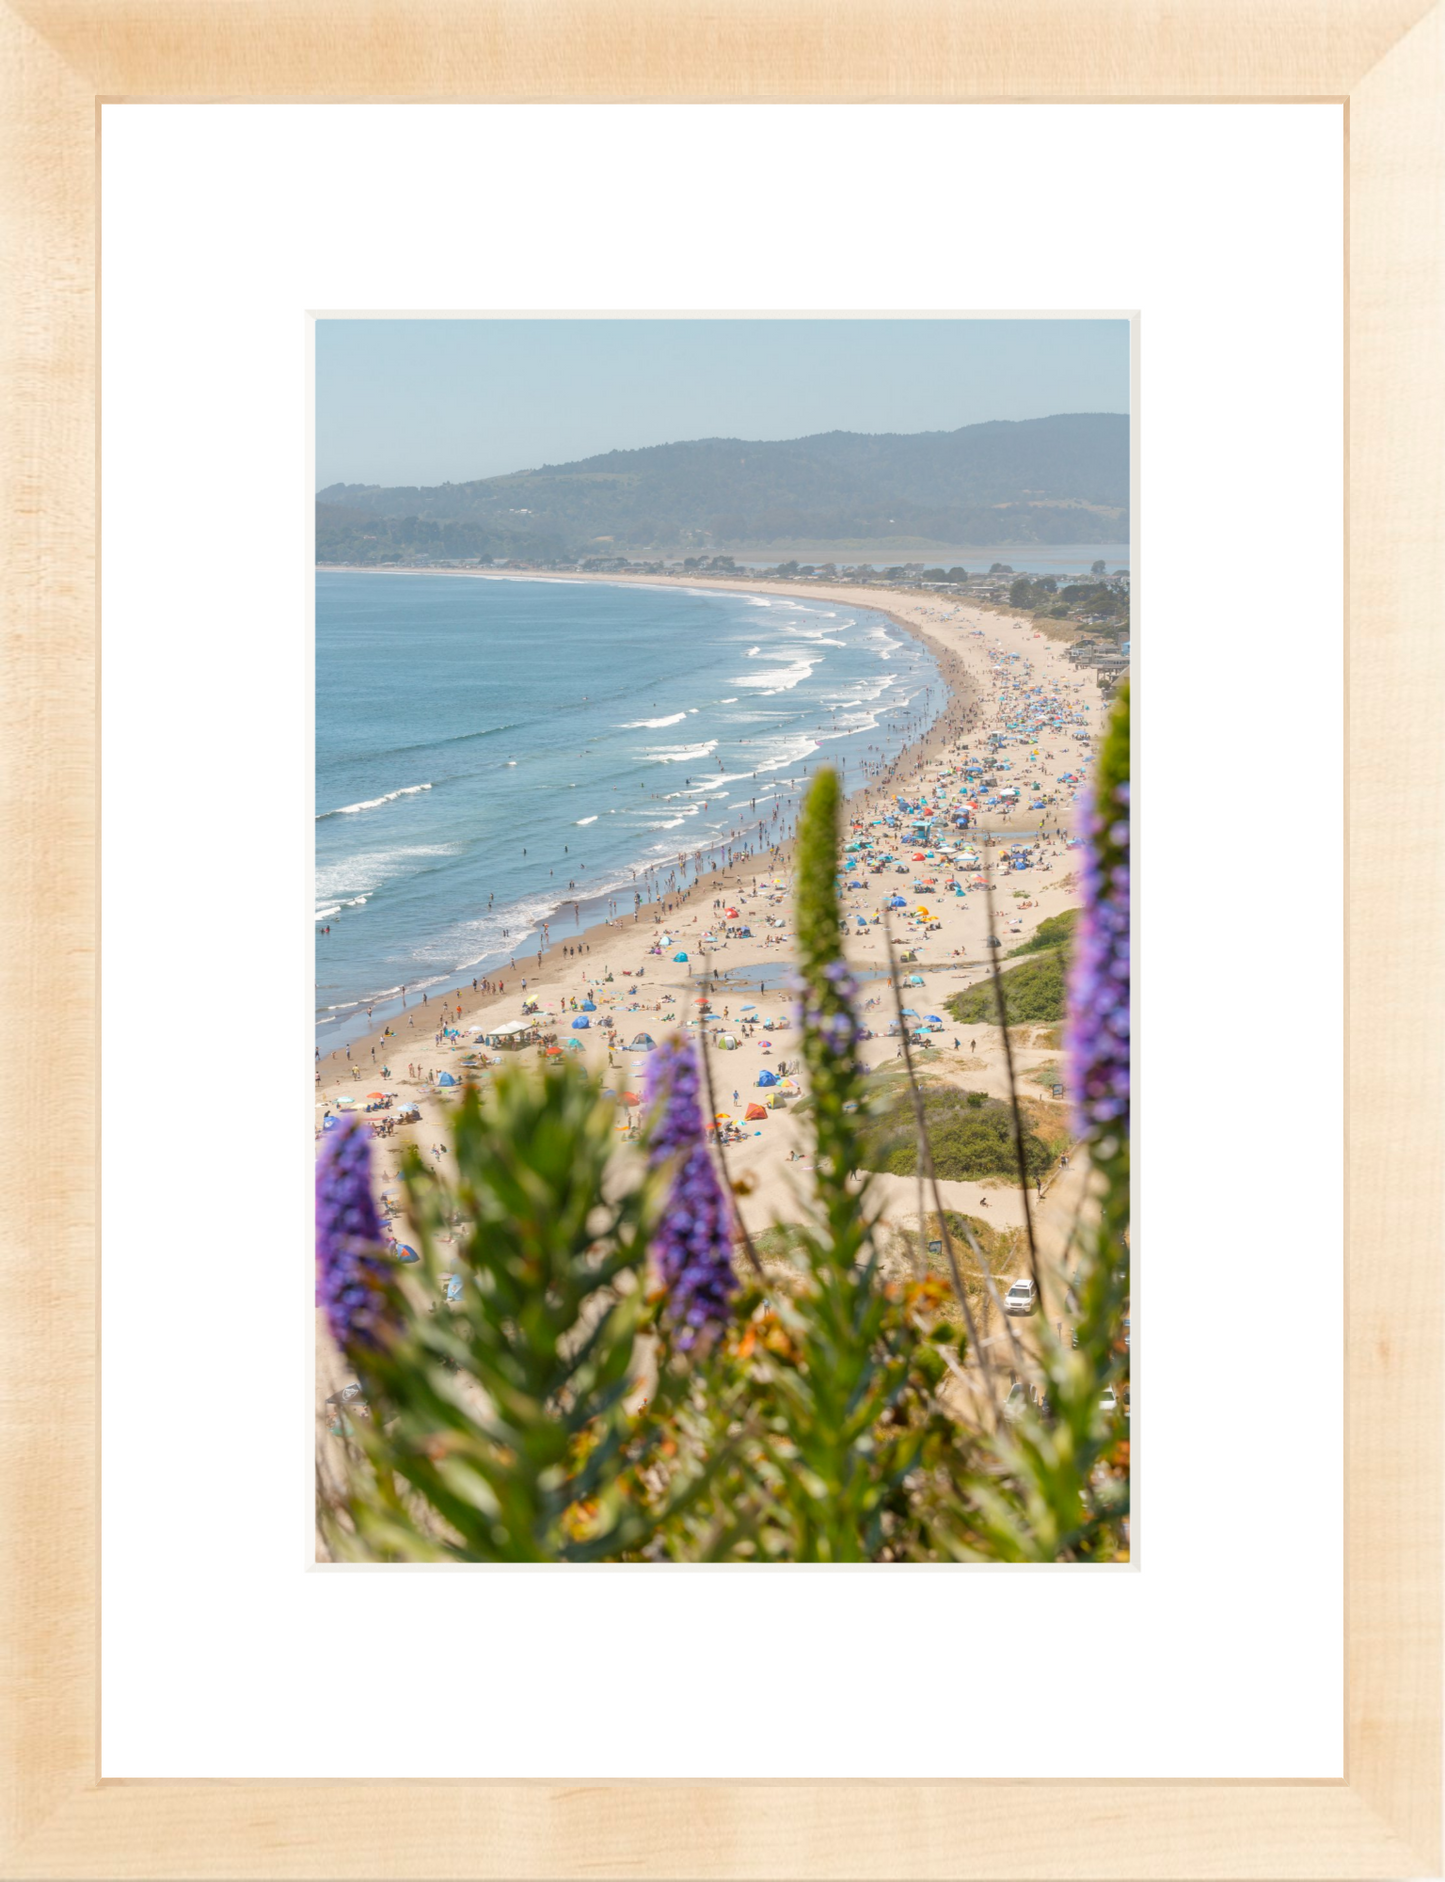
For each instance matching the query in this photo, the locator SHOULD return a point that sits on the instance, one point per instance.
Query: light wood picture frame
(1383, 60)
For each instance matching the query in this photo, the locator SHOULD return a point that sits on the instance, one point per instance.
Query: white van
(1022, 1297)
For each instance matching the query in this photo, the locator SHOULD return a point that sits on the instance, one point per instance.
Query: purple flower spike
(1098, 1029)
(693, 1245)
(350, 1273)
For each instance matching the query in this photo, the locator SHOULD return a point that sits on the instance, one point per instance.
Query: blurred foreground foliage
(532, 1396)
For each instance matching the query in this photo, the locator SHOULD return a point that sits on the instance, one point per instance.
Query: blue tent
(679, 957)
(766, 1077)
(446, 1079)
(581, 1023)
(897, 901)
(589, 1006)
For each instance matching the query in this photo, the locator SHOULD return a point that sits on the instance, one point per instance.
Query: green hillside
(1041, 480)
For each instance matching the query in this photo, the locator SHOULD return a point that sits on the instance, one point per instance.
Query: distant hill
(1036, 480)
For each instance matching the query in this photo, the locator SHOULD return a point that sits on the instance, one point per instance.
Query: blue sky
(432, 401)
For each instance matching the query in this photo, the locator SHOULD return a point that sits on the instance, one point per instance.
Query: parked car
(1022, 1297)
(1109, 1400)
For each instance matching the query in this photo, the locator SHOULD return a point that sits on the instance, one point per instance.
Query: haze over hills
(1063, 479)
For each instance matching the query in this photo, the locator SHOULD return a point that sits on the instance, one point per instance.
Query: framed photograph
(643, 1239)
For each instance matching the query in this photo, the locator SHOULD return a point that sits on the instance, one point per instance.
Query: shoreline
(935, 622)
(343, 1030)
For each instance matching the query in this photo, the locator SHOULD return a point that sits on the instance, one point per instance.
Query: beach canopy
(446, 1079)
(376, 1094)
(722, 1117)
(679, 956)
(581, 1023)
(642, 1040)
(589, 1006)
(630, 1097)
(766, 1077)
(754, 1111)
(896, 901)
(915, 980)
(554, 1052)
(574, 1045)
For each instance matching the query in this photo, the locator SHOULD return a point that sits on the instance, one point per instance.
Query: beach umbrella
(908, 1013)
(897, 901)
(554, 1052)
(375, 1094)
(751, 1007)
(630, 1097)
(722, 1117)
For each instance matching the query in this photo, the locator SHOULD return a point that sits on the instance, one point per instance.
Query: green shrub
(971, 1135)
(1053, 931)
(1033, 992)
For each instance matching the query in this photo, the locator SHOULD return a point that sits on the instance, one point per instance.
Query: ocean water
(494, 753)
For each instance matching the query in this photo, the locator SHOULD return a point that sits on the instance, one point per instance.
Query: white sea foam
(372, 803)
(638, 725)
(782, 681)
(584, 820)
(678, 754)
(362, 875)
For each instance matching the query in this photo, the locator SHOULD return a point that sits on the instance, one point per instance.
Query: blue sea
(497, 752)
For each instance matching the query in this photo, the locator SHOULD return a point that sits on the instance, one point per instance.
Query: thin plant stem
(706, 1058)
(925, 1166)
(1013, 1090)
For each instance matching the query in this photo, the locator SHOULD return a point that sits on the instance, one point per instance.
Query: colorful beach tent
(642, 1041)
(766, 1077)
(753, 1112)
(679, 957)
(446, 1079)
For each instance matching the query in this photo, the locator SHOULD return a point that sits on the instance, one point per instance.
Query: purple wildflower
(350, 1273)
(693, 1244)
(1098, 1030)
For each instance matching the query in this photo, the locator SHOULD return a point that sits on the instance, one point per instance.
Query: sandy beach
(989, 659)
